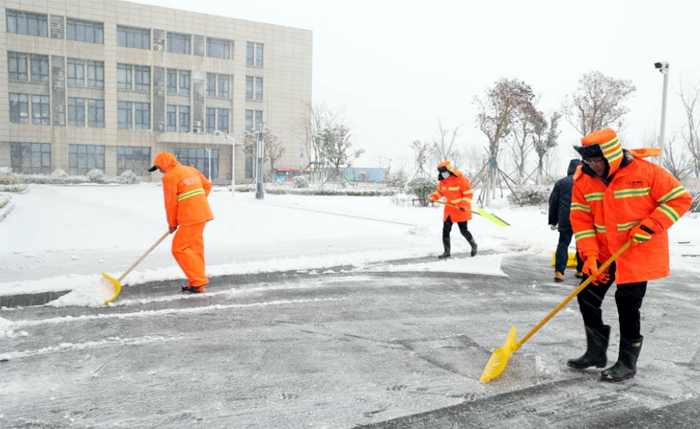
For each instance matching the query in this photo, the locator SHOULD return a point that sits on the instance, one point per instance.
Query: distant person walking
(187, 210)
(619, 197)
(457, 192)
(559, 207)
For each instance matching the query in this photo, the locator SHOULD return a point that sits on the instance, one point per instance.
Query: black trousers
(447, 228)
(562, 255)
(628, 298)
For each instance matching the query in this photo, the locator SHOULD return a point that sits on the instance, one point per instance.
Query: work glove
(642, 232)
(553, 227)
(590, 268)
(172, 229)
(433, 197)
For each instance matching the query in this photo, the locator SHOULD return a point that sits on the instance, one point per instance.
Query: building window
(143, 78)
(199, 159)
(184, 119)
(17, 66)
(131, 37)
(30, 24)
(76, 112)
(142, 114)
(96, 113)
(184, 82)
(253, 88)
(136, 159)
(172, 118)
(40, 68)
(218, 48)
(224, 86)
(96, 74)
(123, 76)
(84, 31)
(83, 158)
(211, 84)
(76, 72)
(124, 109)
(172, 81)
(252, 119)
(211, 120)
(40, 110)
(179, 43)
(19, 108)
(254, 54)
(30, 158)
(222, 125)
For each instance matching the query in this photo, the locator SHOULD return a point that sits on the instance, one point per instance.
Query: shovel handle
(576, 291)
(160, 240)
(456, 207)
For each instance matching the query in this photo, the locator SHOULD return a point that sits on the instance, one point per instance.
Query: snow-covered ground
(63, 237)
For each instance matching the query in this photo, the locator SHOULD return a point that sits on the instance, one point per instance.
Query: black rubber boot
(597, 346)
(626, 365)
(475, 247)
(446, 244)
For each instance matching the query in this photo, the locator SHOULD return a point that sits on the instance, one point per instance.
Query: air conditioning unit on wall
(157, 48)
(197, 130)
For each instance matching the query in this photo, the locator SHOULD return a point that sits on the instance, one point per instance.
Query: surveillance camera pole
(260, 191)
(662, 133)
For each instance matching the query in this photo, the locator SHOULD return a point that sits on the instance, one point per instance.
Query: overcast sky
(396, 67)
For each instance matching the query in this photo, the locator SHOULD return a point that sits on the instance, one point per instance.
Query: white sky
(396, 67)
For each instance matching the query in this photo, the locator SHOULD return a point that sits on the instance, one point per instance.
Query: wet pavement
(342, 348)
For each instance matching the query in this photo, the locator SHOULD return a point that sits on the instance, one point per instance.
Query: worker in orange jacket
(618, 196)
(186, 191)
(457, 192)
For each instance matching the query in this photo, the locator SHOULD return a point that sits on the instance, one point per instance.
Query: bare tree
(690, 96)
(337, 148)
(527, 120)
(422, 152)
(598, 103)
(445, 143)
(496, 117)
(546, 134)
(316, 118)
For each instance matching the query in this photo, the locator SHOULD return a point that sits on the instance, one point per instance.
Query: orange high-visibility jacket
(457, 192)
(602, 216)
(186, 191)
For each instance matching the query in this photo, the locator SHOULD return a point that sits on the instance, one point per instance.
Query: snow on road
(63, 237)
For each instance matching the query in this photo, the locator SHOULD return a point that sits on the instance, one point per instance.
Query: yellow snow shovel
(499, 359)
(117, 282)
(483, 213)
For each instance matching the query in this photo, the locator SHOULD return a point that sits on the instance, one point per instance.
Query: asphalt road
(345, 348)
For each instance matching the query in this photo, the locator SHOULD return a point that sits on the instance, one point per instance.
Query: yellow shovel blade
(117, 287)
(492, 217)
(499, 359)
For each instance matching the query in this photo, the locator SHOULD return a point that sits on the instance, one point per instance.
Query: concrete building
(109, 84)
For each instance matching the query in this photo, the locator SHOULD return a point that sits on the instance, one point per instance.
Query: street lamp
(663, 69)
(259, 191)
(233, 163)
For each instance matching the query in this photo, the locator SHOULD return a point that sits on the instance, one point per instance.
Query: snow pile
(87, 294)
(6, 330)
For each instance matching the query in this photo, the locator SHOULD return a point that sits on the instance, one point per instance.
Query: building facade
(109, 84)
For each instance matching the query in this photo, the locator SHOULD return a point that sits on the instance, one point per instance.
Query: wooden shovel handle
(576, 291)
(144, 256)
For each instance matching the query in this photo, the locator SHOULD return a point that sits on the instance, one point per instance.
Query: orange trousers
(188, 250)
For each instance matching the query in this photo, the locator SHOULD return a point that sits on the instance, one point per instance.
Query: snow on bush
(421, 187)
(96, 176)
(402, 200)
(128, 177)
(360, 191)
(18, 188)
(530, 195)
(7, 178)
(396, 179)
(59, 173)
(301, 182)
(4, 200)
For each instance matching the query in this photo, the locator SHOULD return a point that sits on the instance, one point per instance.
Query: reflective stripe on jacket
(601, 216)
(457, 192)
(185, 190)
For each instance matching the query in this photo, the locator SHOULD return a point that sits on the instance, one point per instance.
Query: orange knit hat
(610, 147)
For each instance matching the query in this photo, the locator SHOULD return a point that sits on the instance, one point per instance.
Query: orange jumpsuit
(186, 207)
(457, 192)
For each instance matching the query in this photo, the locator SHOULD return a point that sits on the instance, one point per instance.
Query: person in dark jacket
(559, 207)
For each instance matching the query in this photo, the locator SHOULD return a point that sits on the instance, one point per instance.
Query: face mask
(445, 174)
